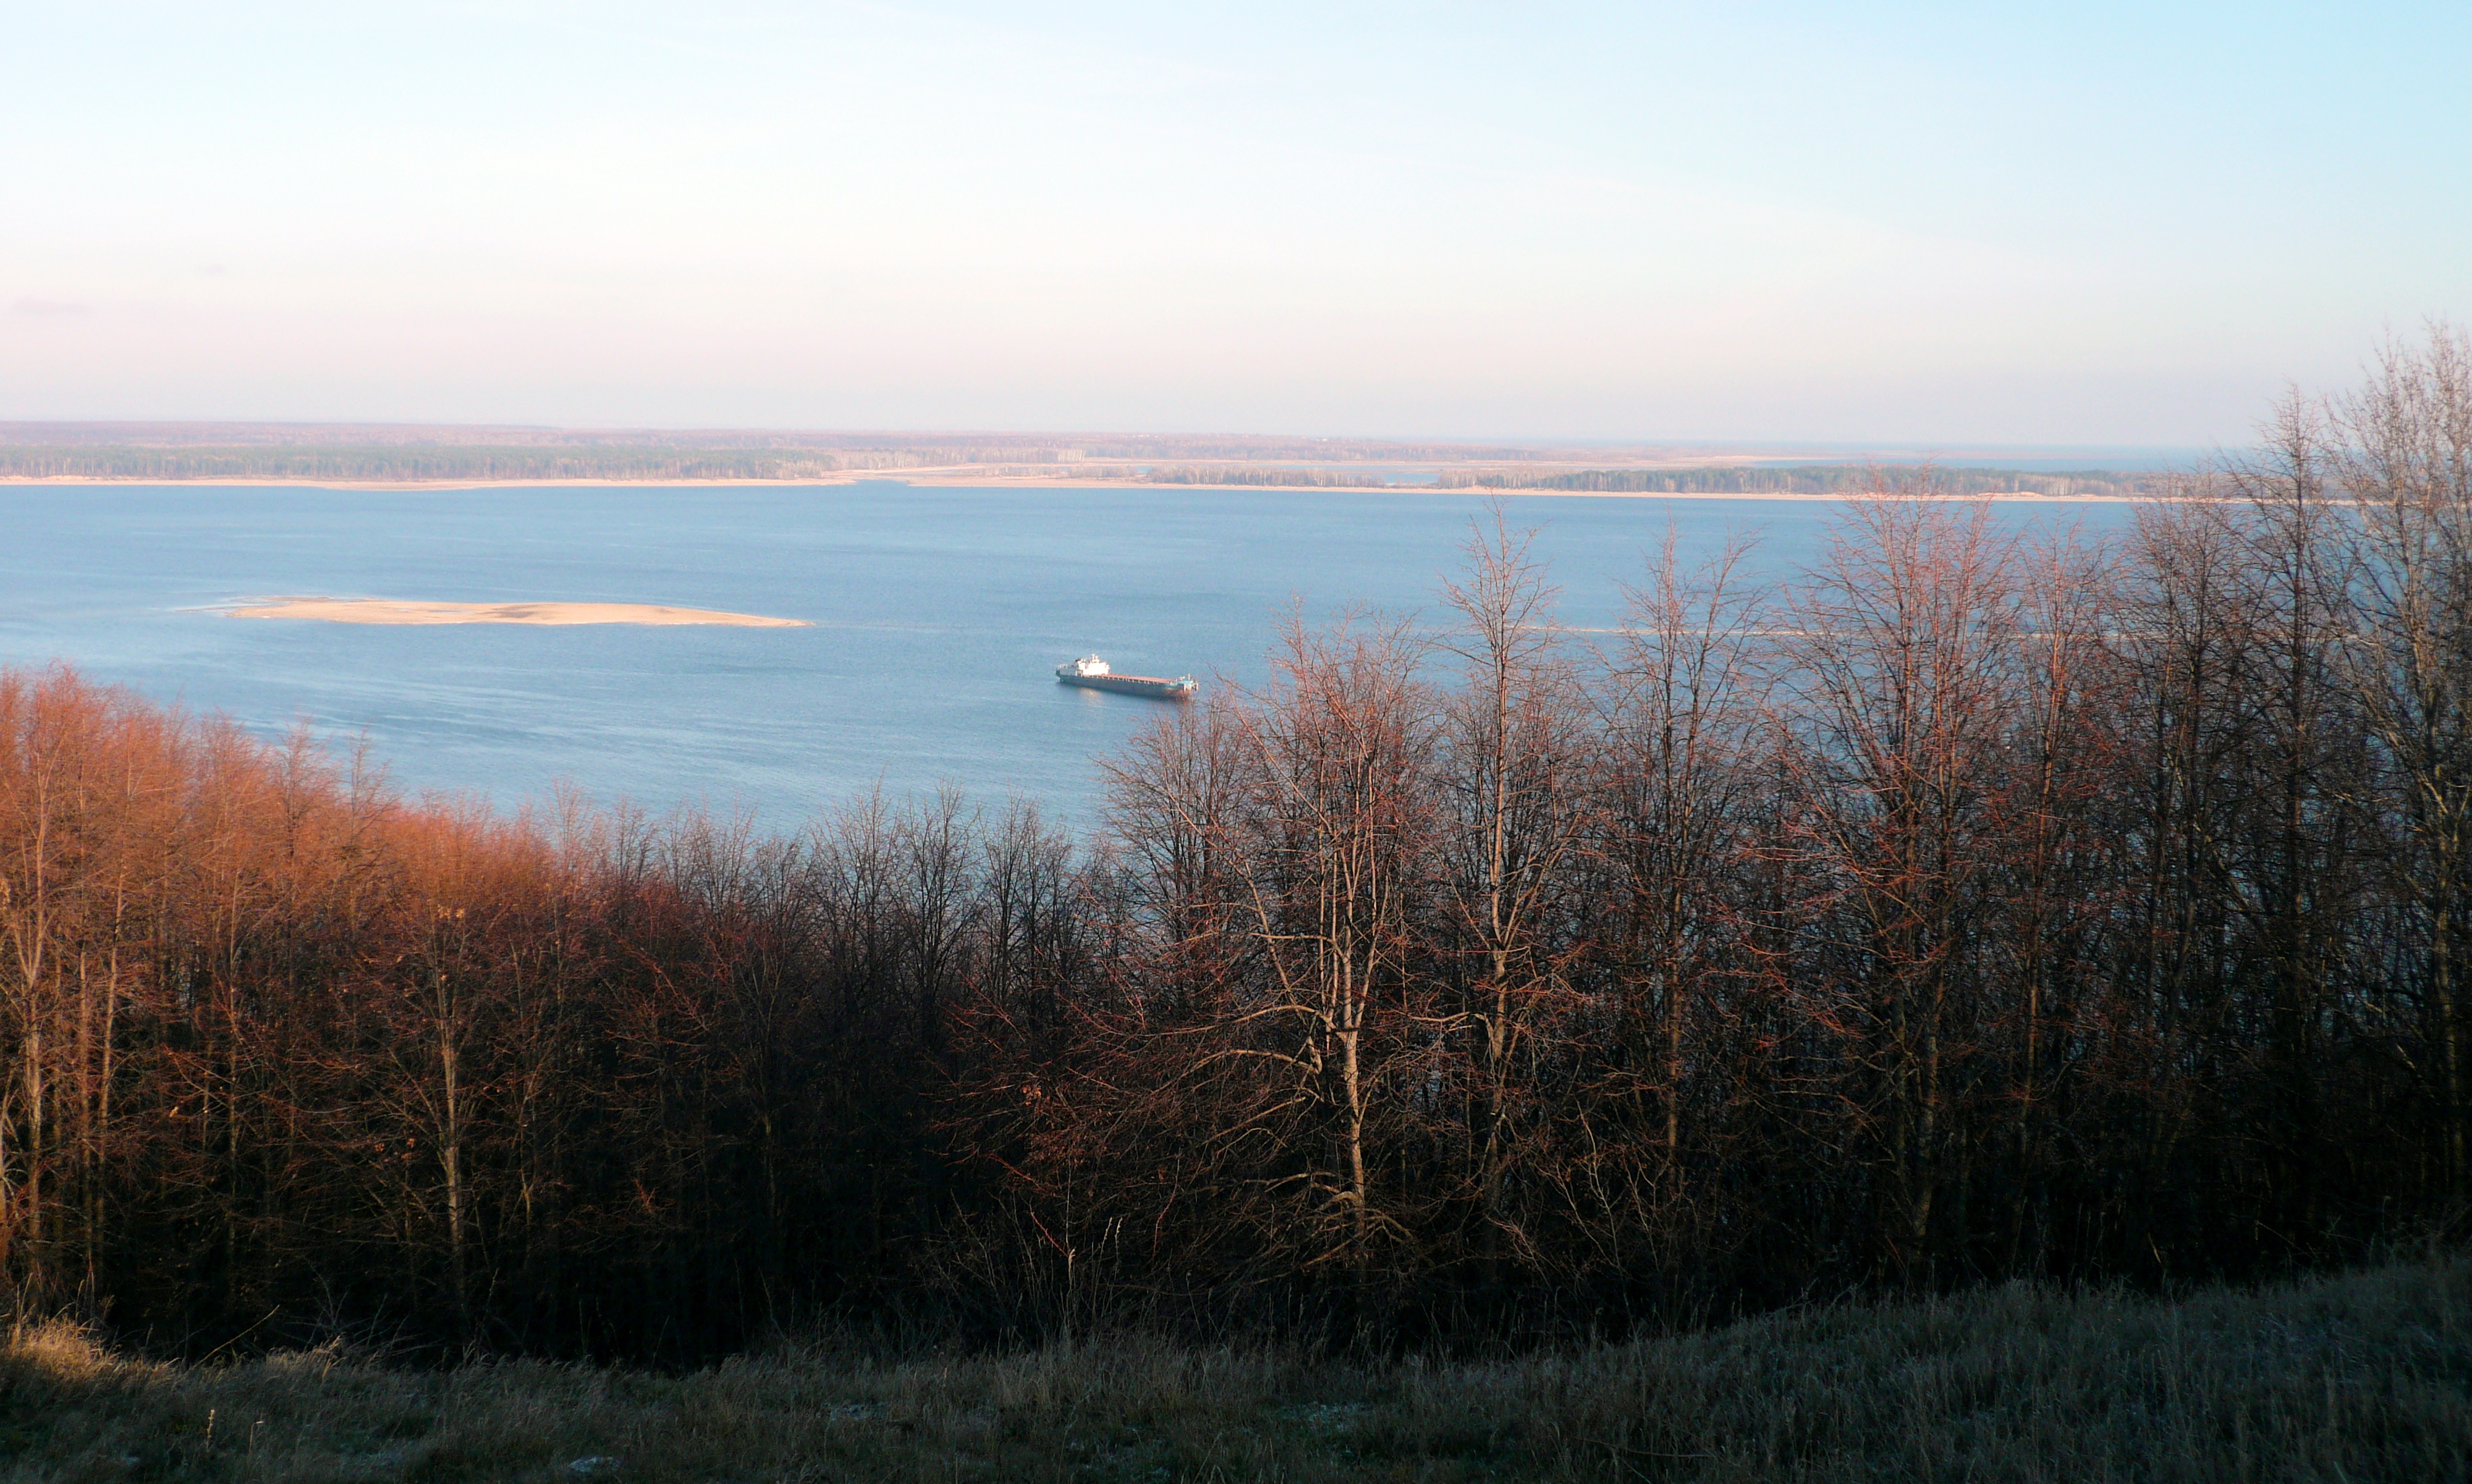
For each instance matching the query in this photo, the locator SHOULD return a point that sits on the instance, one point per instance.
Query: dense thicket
(1970, 906)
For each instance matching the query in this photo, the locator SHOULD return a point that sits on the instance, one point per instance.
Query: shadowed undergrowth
(2356, 1377)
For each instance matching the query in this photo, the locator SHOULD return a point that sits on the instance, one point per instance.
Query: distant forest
(1820, 480)
(1233, 474)
(136, 451)
(930, 447)
(651, 462)
(612, 462)
(457, 461)
(173, 452)
(1974, 905)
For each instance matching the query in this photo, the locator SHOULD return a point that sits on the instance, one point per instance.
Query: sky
(1953, 224)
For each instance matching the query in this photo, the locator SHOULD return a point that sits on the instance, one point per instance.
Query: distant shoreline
(964, 481)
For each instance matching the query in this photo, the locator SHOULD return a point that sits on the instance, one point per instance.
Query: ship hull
(1132, 685)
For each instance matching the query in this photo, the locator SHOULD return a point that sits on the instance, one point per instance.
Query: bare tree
(1515, 770)
(1690, 689)
(1903, 679)
(2405, 456)
(1331, 849)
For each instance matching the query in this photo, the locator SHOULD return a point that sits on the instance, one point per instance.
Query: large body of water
(940, 615)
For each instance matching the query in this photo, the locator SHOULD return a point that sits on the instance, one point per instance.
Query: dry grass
(2356, 1377)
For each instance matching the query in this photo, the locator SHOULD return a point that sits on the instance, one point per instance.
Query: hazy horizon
(1910, 225)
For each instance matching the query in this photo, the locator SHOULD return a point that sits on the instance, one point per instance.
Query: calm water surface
(939, 617)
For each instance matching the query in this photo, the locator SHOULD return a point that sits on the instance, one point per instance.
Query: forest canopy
(1974, 905)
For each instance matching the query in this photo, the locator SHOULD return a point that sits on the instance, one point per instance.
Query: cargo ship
(1092, 673)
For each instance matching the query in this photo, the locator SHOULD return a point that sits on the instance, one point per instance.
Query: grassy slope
(2356, 1377)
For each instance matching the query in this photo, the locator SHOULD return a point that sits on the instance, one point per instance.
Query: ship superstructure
(1091, 672)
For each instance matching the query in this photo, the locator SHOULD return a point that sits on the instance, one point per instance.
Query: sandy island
(388, 611)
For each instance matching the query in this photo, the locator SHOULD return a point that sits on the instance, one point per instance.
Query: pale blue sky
(1917, 223)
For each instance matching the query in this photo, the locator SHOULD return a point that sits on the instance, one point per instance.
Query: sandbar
(388, 610)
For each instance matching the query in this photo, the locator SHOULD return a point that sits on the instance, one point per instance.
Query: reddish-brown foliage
(1968, 906)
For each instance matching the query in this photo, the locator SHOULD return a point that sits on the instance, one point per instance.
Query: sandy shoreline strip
(935, 480)
(388, 610)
